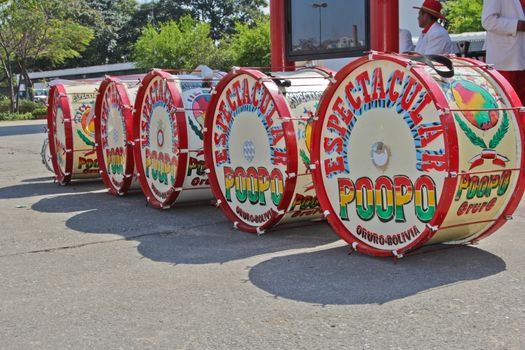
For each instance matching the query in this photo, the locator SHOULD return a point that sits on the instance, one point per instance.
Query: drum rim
(450, 143)
(60, 176)
(180, 118)
(517, 195)
(291, 145)
(128, 120)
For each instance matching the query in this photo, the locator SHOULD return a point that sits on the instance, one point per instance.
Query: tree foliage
(249, 46)
(32, 30)
(184, 44)
(464, 15)
(108, 20)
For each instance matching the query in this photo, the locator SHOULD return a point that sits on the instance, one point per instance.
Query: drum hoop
(291, 145)
(180, 118)
(513, 98)
(60, 176)
(128, 120)
(450, 143)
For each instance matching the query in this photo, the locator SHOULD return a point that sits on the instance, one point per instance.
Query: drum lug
(236, 225)
(183, 151)
(508, 217)
(259, 231)
(313, 166)
(120, 194)
(207, 171)
(326, 213)
(353, 248)
(522, 109)
(291, 175)
(452, 174)
(432, 228)
(178, 109)
(67, 120)
(397, 255)
(127, 176)
(234, 69)
(218, 203)
(100, 172)
(69, 150)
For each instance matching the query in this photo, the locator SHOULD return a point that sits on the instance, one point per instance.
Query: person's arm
(492, 20)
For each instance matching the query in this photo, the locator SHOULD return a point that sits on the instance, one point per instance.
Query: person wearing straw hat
(434, 39)
(504, 21)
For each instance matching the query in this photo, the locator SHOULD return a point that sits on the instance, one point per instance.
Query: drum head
(60, 134)
(160, 134)
(114, 128)
(246, 150)
(383, 154)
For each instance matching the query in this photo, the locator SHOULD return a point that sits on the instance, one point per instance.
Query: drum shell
(178, 101)
(445, 225)
(280, 127)
(114, 133)
(71, 130)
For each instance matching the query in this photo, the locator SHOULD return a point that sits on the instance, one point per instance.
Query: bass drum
(258, 146)
(71, 129)
(167, 136)
(405, 157)
(114, 132)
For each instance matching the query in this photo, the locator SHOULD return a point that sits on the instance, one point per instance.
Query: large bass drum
(257, 146)
(167, 135)
(114, 132)
(71, 129)
(404, 157)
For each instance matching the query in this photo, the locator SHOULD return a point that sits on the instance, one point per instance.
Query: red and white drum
(114, 132)
(168, 132)
(257, 146)
(71, 128)
(404, 157)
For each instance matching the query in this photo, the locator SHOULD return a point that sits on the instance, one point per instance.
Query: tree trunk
(6, 66)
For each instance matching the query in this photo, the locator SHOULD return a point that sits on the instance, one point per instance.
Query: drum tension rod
(353, 248)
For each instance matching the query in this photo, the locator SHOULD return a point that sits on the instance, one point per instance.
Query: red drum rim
(511, 95)
(180, 117)
(291, 145)
(60, 176)
(451, 146)
(128, 113)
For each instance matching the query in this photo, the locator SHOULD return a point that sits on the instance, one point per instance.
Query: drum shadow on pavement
(332, 277)
(42, 188)
(193, 234)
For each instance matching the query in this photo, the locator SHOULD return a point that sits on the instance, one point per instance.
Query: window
(326, 28)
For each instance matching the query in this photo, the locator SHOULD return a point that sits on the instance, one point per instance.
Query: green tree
(224, 15)
(250, 45)
(108, 20)
(182, 45)
(31, 30)
(464, 15)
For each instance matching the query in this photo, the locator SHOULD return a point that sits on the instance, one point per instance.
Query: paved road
(81, 269)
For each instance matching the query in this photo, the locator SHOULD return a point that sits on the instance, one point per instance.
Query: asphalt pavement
(81, 269)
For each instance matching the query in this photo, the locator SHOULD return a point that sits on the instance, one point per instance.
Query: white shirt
(405, 41)
(435, 41)
(504, 44)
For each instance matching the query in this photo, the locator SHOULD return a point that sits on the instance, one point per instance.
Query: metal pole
(277, 36)
(384, 25)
